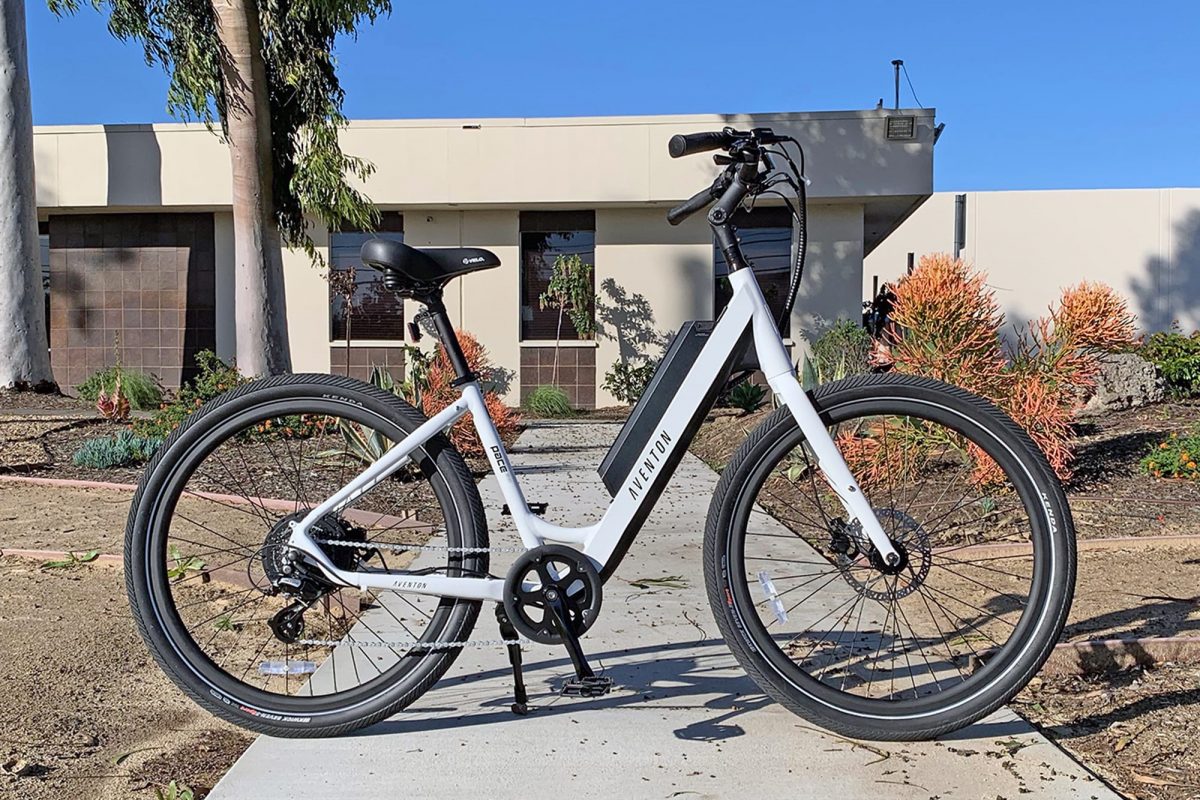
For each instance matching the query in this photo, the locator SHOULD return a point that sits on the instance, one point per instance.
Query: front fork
(830, 460)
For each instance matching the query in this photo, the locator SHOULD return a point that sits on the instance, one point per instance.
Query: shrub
(1174, 457)
(548, 401)
(439, 393)
(747, 396)
(1177, 358)
(143, 391)
(214, 378)
(946, 325)
(842, 351)
(123, 450)
(627, 382)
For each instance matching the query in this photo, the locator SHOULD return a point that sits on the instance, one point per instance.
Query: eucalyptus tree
(264, 70)
(24, 354)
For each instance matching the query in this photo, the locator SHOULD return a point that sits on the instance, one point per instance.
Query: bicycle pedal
(591, 686)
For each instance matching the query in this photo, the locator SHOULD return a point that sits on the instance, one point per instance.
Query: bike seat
(410, 267)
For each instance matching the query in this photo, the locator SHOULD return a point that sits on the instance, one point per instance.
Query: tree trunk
(24, 353)
(261, 311)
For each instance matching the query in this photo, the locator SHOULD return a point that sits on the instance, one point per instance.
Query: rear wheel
(259, 638)
(873, 650)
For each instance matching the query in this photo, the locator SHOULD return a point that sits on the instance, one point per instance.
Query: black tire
(989, 682)
(149, 587)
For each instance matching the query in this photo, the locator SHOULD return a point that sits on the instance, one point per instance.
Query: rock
(1125, 380)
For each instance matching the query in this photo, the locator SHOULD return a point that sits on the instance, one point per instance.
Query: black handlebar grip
(690, 206)
(685, 144)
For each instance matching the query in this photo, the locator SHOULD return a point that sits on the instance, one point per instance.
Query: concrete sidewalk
(683, 720)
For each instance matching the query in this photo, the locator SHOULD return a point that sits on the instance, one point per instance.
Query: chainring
(552, 566)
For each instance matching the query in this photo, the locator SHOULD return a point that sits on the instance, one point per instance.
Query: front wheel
(879, 651)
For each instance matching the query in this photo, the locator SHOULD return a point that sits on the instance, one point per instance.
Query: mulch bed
(1136, 729)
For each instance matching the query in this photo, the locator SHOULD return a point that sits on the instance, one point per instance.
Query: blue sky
(1034, 95)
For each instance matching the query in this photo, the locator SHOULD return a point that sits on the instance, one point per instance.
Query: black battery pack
(643, 421)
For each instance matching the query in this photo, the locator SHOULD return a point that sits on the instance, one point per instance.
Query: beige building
(139, 246)
(1142, 242)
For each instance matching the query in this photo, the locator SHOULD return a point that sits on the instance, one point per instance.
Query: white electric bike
(888, 556)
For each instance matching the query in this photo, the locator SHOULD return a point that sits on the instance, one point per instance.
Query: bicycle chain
(428, 548)
(416, 645)
(431, 548)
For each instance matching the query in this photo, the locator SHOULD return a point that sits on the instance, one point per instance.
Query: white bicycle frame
(601, 540)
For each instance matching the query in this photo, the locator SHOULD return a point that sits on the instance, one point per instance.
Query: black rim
(848, 655)
(342, 684)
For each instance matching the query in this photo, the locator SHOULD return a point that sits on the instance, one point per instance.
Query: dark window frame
(544, 235)
(386, 322)
(766, 237)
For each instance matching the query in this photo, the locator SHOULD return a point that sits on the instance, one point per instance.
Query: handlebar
(697, 202)
(686, 144)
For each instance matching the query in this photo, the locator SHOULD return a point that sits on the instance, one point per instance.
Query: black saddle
(407, 268)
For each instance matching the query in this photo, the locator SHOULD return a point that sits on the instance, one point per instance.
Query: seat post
(447, 337)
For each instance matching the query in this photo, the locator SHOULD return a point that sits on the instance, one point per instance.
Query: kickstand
(585, 683)
(508, 632)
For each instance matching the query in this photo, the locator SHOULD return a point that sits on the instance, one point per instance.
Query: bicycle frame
(605, 542)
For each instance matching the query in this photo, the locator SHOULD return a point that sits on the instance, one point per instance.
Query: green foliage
(843, 350)
(311, 172)
(747, 396)
(143, 391)
(182, 564)
(548, 401)
(173, 791)
(126, 449)
(413, 389)
(627, 382)
(214, 378)
(1178, 358)
(72, 560)
(570, 292)
(1174, 457)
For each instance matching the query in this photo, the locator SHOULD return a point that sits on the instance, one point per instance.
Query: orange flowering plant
(947, 324)
(439, 393)
(1174, 457)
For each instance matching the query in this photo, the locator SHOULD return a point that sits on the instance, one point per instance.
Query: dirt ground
(92, 716)
(1136, 729)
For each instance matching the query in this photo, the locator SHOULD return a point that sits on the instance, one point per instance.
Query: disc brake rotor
(886, 583)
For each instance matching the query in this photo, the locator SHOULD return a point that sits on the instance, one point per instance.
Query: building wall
(650, 277)
(138, 287)
(465, 183)
(1143, 242)
(421, 163)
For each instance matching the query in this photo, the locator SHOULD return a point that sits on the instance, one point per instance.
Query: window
(766, 237)
(44, 255)
(378, 312)
(545, 235)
